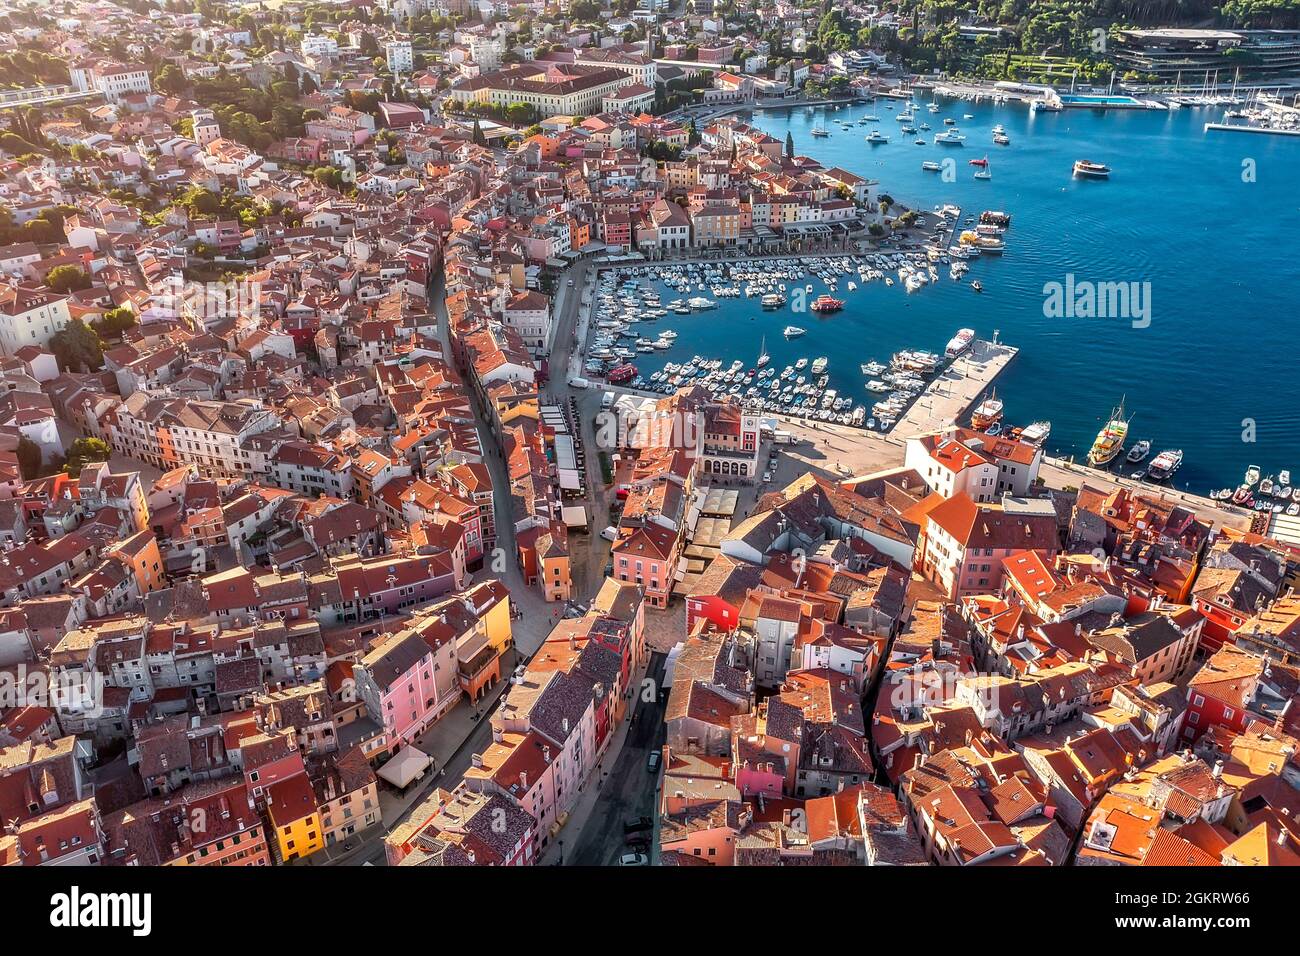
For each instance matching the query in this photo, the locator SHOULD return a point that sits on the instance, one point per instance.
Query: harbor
(630, 344)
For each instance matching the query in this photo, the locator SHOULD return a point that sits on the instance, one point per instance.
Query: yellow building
(291, 804)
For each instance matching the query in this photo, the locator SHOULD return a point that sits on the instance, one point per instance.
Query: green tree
(113, 323)
(30, 458)
(67, 278)
(76, 348)
(789, 144)
(85, 451)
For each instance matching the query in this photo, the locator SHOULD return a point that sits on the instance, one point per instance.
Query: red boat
(622, 373)
(825, 303)
(980, 162)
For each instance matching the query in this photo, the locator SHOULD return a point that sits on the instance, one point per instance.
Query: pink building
(409, 680)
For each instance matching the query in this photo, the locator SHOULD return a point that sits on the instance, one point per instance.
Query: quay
(1231, 128)
(947, 399)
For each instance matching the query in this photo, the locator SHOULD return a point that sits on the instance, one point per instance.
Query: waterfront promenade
(947, 399)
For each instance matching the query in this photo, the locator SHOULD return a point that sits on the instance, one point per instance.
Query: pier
(1268, 130)
(947, 399)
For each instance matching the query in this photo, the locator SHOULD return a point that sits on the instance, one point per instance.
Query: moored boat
(1139, 451)
(987, 412)
(1165, 464)
(1110, 440)
(960, 342)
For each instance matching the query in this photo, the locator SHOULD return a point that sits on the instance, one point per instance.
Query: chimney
(1218, 770)
(1281, 837)
(786, 817)
(546, 752)
(523, 779)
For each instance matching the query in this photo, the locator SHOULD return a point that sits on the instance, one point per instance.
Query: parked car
(652, 762)
(634, 859)
(610, 533)
(639, 825)
(638, 844)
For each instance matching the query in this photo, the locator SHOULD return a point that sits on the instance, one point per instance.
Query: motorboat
(1165, 464)
(1139, 451)
(1091, 170)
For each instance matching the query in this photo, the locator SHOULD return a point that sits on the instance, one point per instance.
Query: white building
(400, 57)
(30, 317)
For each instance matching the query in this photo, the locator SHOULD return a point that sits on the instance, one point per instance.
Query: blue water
(1218, 252)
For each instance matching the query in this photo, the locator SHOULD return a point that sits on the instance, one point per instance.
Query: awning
(407, 764)
(575, 516)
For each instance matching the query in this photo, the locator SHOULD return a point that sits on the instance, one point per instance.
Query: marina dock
(947, 399)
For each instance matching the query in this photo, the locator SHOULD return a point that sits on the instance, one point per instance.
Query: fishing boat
(1139, 451)
(1110, 440)
(987, 412)
(1284, 477)
(1036, 433)
(960, 342)
(1252, 476)
(1089, 169)
(1266, 486)
(1165, 464)
(793, 332)
(826, 303)
(1243, 496)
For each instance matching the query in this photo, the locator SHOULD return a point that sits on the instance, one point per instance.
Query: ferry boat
(1165, 464)
(875, 136)
(960, 342)
(1036, 433)
(773, 300)
(1139, 451)
(1110, 440)
(987, 413)
(826, 303)
(1086, 168)
(793, 332)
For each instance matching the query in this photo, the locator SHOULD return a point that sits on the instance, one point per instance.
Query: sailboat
(1110, 440)
(763, 357)
(983, 172)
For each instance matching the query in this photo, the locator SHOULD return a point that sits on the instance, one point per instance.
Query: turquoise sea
(1207, 219)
